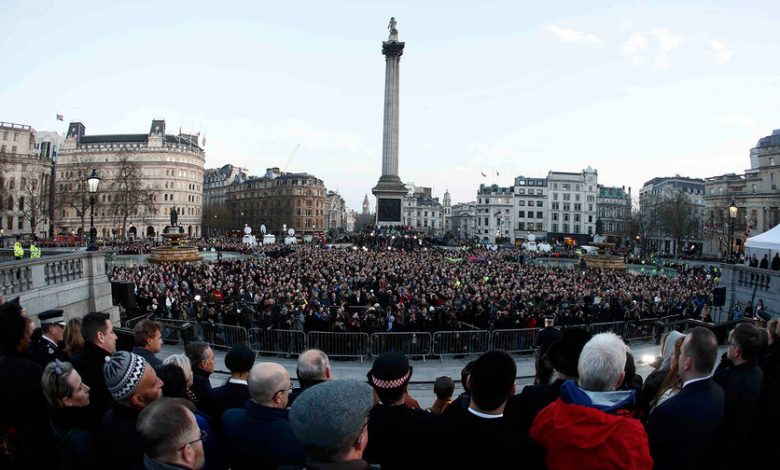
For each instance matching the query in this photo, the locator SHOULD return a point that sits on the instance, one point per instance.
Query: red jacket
(584, 437)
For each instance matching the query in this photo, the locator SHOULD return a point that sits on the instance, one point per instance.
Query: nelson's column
(390, 191)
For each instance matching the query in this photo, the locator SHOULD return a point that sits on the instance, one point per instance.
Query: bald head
(313, 364)
(268, 383)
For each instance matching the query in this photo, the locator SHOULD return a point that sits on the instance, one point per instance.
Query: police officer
(35, 251)
(18, 250)
(46, 348)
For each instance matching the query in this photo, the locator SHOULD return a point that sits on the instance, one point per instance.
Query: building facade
(217, 180)
(143, 177)
(573, 210)
(531, 208)
(463, 220)
(614, 212)
(335, 212)
(494, 213)
(655, 232)
(422, 211)
(280, 201)
(755, 194)
(25, 179)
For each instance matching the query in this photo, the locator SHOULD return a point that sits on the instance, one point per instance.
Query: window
(577, 207)
(530, 215)
(539, 192)
(521, 203)
(565, 216)
(539, 203)
(20, 224)
(577, 197)
(554, 227)
(555, 196)
(567, 197)
(555, 216)
(567, 207)
(487, 221)
(590, 219)
(539, 215)
(565, 228)
(521, 213)
(521, 191)
(555, 206)
(576, 217)
(566, 186)
(13, 149)
(521, 225)
(576, 229)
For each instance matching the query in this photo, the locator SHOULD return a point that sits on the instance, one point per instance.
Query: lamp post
(733, 215)
(92, 182)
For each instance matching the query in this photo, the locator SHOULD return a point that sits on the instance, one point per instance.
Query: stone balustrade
(74, 281)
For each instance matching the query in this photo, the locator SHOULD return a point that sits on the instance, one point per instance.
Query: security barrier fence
(414, 344)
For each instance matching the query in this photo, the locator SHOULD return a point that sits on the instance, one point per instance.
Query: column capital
(392, 49)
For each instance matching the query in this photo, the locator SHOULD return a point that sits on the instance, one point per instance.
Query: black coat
(24, 409)
(476, 442)
(148, 355)
(260, 437)
(45, 351)
(123, 445)
(89, 364)
(221, 399)
(522, 408)
(201, 388)
(74, 439)
(681, 429)
(743, 387)
(400, 437)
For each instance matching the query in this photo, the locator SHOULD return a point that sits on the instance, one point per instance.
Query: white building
(573, 208)
(463, 220)
(495, 213)
(423, 212)
(531, 207)
(652, 194)
(335, 212)
(217, 180)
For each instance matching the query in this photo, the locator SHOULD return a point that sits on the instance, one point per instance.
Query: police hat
(51, 317)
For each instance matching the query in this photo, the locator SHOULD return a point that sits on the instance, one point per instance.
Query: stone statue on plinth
(174, 217)
(392, 29)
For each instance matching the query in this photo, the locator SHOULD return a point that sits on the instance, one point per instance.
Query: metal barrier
(340, 344)
(130, 323)
(641, 329)
(277, 341)
(460, 342)
(619, 328)
(223, 336)
(411, 344)
(514, 341)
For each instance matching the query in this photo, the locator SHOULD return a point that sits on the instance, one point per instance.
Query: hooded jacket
(591, 430)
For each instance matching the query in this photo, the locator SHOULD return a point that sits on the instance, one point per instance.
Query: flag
(483, 174)
(496, 172)
(60, 117)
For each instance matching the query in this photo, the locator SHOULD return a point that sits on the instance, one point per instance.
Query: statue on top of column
(393, 30)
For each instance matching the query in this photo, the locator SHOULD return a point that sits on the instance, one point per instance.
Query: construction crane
(289, 160)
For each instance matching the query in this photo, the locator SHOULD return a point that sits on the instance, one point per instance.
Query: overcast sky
(634, 89)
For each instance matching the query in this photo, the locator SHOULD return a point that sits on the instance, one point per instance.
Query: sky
(634, 89)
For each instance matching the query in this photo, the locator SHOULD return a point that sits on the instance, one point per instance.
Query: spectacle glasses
(285, 389)
(203, 436)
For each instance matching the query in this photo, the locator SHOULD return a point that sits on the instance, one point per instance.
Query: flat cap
(328, 414)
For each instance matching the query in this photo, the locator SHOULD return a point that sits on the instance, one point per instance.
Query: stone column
(390, 191)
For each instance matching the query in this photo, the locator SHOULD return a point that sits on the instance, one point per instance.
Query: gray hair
(182, 361)
(196, 351)
(265, 380)
(312, 365)
(602, 361)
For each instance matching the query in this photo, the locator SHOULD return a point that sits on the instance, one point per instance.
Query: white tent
(769, 240)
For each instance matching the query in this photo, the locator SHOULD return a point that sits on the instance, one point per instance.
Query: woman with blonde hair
(67, 393)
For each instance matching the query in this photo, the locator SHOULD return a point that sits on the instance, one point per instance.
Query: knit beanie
(123, 372)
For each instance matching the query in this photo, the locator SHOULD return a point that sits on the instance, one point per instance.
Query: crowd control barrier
(337, 344)
(277, 341)
(223, 336)
(415, 344)
(458, 343)
(515, 341)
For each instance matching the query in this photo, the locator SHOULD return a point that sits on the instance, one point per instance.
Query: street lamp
(92, 183)
(733, 215)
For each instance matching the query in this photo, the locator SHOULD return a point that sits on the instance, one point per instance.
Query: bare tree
(128, 195)
(73, 190)
(34, 200)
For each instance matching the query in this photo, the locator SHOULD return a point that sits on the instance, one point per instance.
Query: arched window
(21, 203)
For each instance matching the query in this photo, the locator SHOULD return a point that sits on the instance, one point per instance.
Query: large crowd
(375, 289)
(69, 399)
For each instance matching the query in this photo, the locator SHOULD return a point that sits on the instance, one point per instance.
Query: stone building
(335, 212)
(532, 208)
(494, 213)
(463, 220)
(422, 211)
(279, 201)
(755, 194)
(154, 172)
(572, 204)
(217, 180)
(652, 194)
(614, 212)
(25, 176)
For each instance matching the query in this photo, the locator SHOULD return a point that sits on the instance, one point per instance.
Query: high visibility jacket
(18, 250)
(35, 252)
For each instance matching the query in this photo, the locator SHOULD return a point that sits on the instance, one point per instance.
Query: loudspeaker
(719, 296)
(123, 293)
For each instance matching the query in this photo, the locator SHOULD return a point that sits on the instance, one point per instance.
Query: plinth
(602, 260)
(175, 252)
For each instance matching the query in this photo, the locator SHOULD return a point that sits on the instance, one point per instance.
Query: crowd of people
(370, 290)
(96, 407)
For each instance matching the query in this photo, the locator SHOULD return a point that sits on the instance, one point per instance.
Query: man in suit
(235, 393)
(698, 407)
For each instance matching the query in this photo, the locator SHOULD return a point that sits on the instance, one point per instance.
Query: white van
(269, 239)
